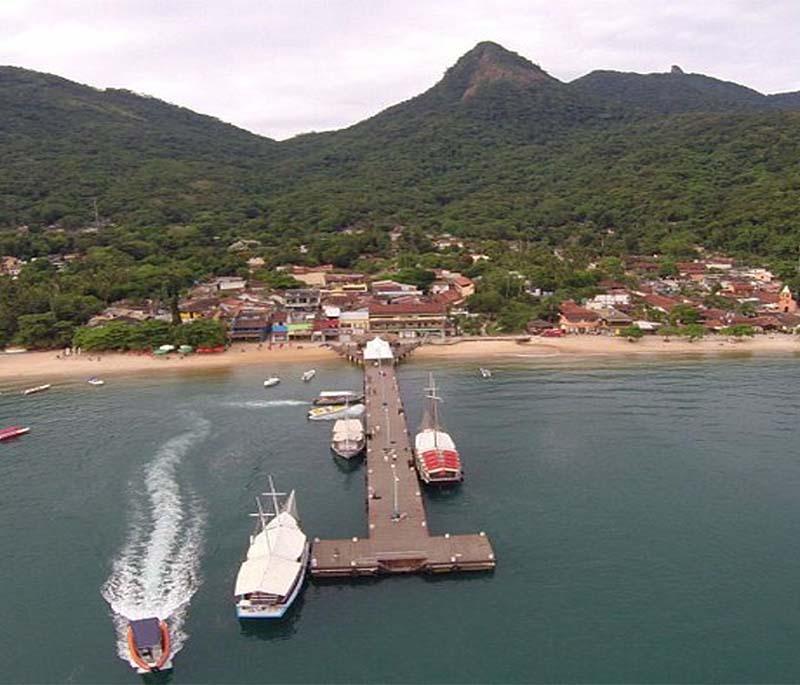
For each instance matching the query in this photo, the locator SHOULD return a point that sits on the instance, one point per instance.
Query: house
(576, 319)
(307, 299)
(325, 329)
(353, 324)
(345, 283)
(660, 302)
(410, 320)
(389, 290)
(255, 263)
(617, 297)
(537, 326)
(228, 283)
(758, 274)
(465, 286)
(251, 327)
(10, 266)
(614, 320)
(312, 276)
(202, 308)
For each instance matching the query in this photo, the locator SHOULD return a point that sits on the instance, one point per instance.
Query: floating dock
(399, 540)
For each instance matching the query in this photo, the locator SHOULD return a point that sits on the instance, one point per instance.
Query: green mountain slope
(64, 143)
(497, 147)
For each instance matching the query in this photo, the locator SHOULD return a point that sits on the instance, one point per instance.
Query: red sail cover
(438, 460)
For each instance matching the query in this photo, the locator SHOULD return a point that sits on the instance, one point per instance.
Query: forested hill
(497, 148)
(63, 144)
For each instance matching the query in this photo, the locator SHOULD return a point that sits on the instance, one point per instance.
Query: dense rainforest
(152, 194)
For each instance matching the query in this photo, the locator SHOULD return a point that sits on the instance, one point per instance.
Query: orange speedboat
(149, 645)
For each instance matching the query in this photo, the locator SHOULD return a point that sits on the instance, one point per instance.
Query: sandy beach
(36, 366)
(599, 346)
(47, 366)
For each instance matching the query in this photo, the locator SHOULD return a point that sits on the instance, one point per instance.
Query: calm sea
(645, 516)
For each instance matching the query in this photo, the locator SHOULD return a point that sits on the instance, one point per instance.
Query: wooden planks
(398, 540)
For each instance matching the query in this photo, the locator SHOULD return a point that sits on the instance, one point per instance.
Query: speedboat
(347, 438)
(273, 380)
(272, 575)
(13, 432)
(149, 645)
(485, 373)
(335, 411)
(308, 375)
(94, 380)
(327, 397)
(38, 388)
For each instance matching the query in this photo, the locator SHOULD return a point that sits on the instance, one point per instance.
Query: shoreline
(19, 369)
(22, 368)
(589, 346)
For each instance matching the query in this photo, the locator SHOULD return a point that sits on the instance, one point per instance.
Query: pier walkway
(399, 541)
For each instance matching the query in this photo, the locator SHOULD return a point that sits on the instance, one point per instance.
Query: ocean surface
(645, 517)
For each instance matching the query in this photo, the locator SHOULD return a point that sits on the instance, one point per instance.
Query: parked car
(552, 333)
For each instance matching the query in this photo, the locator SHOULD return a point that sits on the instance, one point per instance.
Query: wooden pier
(399, 540)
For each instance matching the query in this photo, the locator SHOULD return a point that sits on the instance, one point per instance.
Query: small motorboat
(13, 432)
(273, 380)
(38, 388)
(485, 373)
(335, 411)
(94, 380)
(149, 645)
(308, 375)
(327, 397)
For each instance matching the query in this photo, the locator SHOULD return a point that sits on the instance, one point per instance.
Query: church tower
(787, 303)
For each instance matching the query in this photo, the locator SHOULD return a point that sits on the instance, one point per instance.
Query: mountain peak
(489, 62)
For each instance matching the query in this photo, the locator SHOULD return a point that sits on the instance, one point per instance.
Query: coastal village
(712, 295)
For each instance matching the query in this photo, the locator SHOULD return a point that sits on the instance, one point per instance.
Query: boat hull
(11, 433)
(163, 663)
(346, 452)
(275, 611)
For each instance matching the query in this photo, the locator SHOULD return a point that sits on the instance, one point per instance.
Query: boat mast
(434, 400)
(273, 494)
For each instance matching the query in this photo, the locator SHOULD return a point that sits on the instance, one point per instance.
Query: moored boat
(94, 380)
(13, 432)
(149, 645)
(272, 575)
(435, 454)
(335, 411)
(272, 380)
(328, 397)
(485, 373)
(38, 388)
(347, 438)
(308, 375)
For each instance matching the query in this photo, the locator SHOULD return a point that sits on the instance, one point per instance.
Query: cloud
(280, 67)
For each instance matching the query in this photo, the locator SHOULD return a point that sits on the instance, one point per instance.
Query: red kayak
(13, 432)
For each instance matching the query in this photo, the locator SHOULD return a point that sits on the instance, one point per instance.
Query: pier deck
(399, 541)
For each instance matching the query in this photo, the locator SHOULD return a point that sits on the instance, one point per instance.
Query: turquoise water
(645, 517)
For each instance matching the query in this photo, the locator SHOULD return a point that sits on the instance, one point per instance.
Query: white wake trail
(263, 404)
(157, 571)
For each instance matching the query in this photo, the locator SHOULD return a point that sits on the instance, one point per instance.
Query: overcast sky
(281, 67)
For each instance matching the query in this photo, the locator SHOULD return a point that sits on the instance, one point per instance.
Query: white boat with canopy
(327, 397)
(272, 575)
(348, 439)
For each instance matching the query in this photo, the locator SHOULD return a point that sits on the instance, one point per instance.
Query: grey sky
(281, 67)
